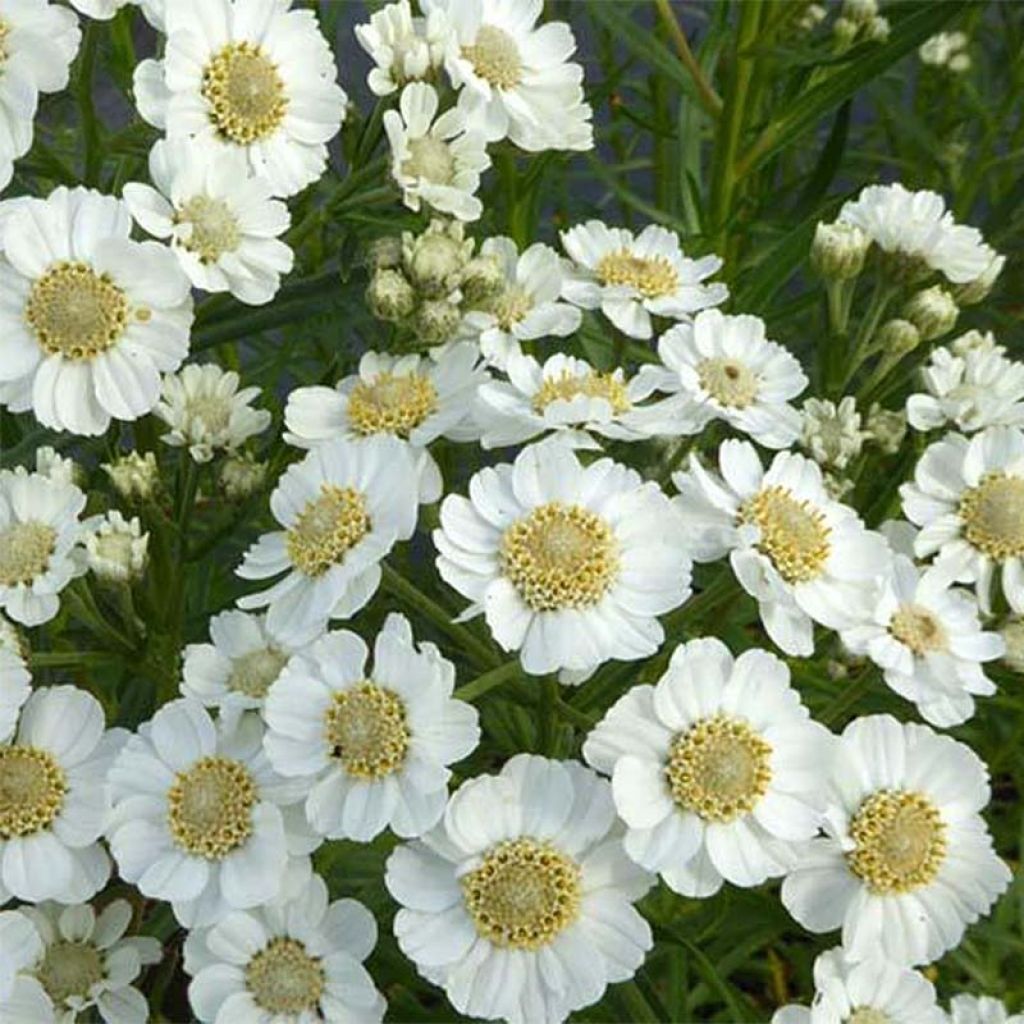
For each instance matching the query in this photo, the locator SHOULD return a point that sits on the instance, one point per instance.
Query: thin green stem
(84, 94)
(488, 681)
(883, 294)
(709, 99)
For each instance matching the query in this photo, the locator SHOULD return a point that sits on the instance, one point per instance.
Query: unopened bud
(134, 476)
(860, 12)
(482, 279)
(436, 321)
(116, 551)
(898, 337)
(1013, 636)
(838, 250)
(844, 31)
(390, 296)
(241, 475)
(434, 260)
(384, 252)
(932, 311)
(887, 428)
(878, 29)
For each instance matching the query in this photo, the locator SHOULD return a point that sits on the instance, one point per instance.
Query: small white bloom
(570, 564)
(939, 49)
(525, 880)
(716, 770)
(886, 427)
(832, 433)
(59, 468)
(838, 250)
(205, 410)
(371, 746)
(342, 508)
(116, 548)
(977, 290)
(134, 476)
(965, 1009)
(402, 47)
(65, 959)
(15, 678)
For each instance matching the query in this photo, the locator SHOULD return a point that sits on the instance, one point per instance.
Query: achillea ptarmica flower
(716, 770)
(403, 48)
(631, 278)
(116, 548)
(966, 1009)
(219, 218)
(92, 318)
(135, 476)
(529, 884)
(832, 432)
(570, 564)
(262, 83)
(907, 862)
(371, 746)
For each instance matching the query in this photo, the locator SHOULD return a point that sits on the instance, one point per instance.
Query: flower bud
(974, 341)
(434, 260)
(134, 476)
(887, 428)
(482, 279)
(1013, 636)
(832, 433)
(241, 475)
(898, 337)
(844, 32)
(116, 550)
(932, 311)
(436, 321)
(390, 296)
(860, 12)
(878, 29)
(58, 468)
(838, 250)
(383, 253)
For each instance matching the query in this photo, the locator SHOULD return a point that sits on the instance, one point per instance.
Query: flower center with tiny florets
(793, 533)
(729, 382)
(214, 225)
(32, 790)
(917, 628)
(430, 159)
(25, 551)
(899, 841)
(651, 276)
(719, 768)
(566, 386)
(560, 556)
(495, 57)
(523, 894)
(393, 404)
(868, 1015)
(993, 516)
(210, 807)
(327, 529)
(284, 979)
(75, 312)
(510, 306)
(367, 731)
(253, 673)
(70, 969)
(245, 93)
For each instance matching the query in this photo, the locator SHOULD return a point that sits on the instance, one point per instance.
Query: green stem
(574, 716)
(488, 681)
(68, 659)
(881, 297)
(709, 99)
(850, 695)
(86, 108)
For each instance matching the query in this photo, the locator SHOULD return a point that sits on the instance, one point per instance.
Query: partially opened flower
(403, 48)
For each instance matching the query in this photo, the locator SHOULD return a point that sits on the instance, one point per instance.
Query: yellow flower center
(495, 57)
(208, 412)
(210, 807)
(245, 93)
(431, 159)
(69, 969)
(918, 629)
(32, 790)
(594, 384)
(868, 1015)
(793, 533)
(523, 894)
(253, 673)
(719, 768)
(327, 529)
(729, 382)
(651, 276)
(75, 312)
(393, 404)
(560, 556)
(25, 551)
(900, 841)
(215, 229)
(367, 731)
(993, 516)
(284, 979)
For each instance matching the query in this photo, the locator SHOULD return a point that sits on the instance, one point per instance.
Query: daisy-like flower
(907, 862)
(54, 801)
(968, 498)
(831, 432)
(221, 221)
(206, 411)
(38, 42)
(40, 551)
(514, 77)
(90, 318)
(801, 555)
(15, 678)
(528, 912)
(248, 77)
(716, 770)
(873, 991)
(235, 671)
(918, 234)
(371, 746)
(414, 399)
(402, 47)
(62, 960)
(116, 548)
(295, 959)
(570, 564)
(527, 307)
(965, 1009)
(722, 367)
(631, 278)
(200, 818)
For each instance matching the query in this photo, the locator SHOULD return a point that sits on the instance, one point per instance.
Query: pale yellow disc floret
(993, 516)
(391, 404)
(593, 384)
(728, 381)
(794, 534)
(32, 790)
(210, 807)
(327, 529)
(918, 628)
(652, 276)
(495, 57)
(245, 92)
(70, 969)
(284, 979)
(367, 731)
(431, 159)
(25, 552)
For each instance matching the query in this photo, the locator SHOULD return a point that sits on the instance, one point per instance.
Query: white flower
(528, 305)
(968, 498)
(65, 959)
(832, 433)
(402, 47)
(296, 959)
(570, 564)
(973, 389)
(15, 678)
(249, 77)
(716, 770)
(907, 862)
(205, 410)
(91, 318)
(632, 277)
(919, 232)
(514, 78)
(877, 990)
(519, 903)
(200, 818)
(722, 367)
(941, 49)
(103, 10)
(116, 548)
(222, 223)
(342, 508)
(965, 1009)
(134, 476)
(40, 551)
(801, 555)
(372, 747)
(58, 468)
(54, 801)
(38, 42)
(438, 161)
